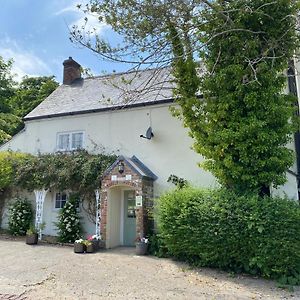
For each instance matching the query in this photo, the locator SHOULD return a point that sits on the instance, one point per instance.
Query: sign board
(139, 201)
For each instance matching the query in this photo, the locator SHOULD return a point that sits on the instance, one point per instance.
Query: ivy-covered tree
(243, 122)
(248, 118)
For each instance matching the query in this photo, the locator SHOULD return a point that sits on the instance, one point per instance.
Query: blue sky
(35, 34)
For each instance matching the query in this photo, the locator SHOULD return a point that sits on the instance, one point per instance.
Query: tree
(17, 100)
(31, 92)
(6, 85)
(243, 122)
(9, 123)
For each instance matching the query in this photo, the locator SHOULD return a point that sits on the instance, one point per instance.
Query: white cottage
(126, 114)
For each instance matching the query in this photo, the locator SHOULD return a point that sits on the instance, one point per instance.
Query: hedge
(218, 228)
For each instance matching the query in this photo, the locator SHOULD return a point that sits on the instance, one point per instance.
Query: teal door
(129, 218)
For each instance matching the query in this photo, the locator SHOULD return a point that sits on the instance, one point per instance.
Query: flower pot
(90, 248)
(79, 248)
(141, 248)
(96, 245)
(31, 239)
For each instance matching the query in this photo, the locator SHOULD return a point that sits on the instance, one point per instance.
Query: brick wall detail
(143, 186)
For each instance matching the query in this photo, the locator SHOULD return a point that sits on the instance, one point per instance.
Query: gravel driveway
(55, 272)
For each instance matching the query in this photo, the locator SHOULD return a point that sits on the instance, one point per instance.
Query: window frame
(70, 134)
(67, 192)
(54, 199)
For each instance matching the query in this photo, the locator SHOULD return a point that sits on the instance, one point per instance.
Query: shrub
(20, 216)
(157, 246)
(218, 228)
(8, 160)
(69, 228)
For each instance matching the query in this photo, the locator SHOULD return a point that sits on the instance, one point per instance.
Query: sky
(35, 34)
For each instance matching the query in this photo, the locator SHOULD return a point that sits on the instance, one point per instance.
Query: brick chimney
(71, 71)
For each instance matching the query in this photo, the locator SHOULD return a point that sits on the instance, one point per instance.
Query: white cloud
(78, 19)
(69, 9)
(93, 25)
(25, 62)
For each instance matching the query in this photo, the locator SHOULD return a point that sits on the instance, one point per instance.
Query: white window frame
(54, 199)
(69, 133)
(68, 196)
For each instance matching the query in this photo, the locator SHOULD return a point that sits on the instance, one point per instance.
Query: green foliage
(78, 171)
(31, 92)
(32, 230)
(69, 228)
(20, 216)
(6, 85)
(233, 232)
(8, 163)
(178, 181)
(17, 100)
(245, 119)
(157, 246)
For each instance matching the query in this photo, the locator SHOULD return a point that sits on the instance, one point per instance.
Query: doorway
(129, 217)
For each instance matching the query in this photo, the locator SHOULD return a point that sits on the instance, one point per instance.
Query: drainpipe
(292, 85)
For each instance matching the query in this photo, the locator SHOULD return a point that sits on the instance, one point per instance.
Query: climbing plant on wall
(76, 171)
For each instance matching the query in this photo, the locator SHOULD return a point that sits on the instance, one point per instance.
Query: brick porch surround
(137, 176)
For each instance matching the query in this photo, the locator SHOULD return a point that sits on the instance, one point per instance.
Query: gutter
(88, 111)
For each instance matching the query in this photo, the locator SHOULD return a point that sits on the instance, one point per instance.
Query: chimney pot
(72, 71)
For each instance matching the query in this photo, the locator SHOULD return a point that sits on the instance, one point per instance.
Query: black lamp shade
(121, 167)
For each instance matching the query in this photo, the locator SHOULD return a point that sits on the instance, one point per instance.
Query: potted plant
(95, 240)
(31, 235)
(79, 246)
(89, 247)
(141, 246)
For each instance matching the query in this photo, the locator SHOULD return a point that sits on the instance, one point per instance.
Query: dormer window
(70, 141)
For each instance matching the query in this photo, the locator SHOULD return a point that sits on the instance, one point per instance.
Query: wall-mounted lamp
(121, 167)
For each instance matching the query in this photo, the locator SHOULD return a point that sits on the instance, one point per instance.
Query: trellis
(40, 196)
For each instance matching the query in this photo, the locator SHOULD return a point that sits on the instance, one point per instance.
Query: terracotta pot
(141, 248)
(31, 239)
(79, 248)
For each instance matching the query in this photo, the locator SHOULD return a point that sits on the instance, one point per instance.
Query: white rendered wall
(169, 152)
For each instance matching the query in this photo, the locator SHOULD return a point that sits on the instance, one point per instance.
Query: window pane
(63, 142)
(60, 200)
(77, 140)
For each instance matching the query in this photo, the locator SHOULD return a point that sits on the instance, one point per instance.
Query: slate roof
(107, 92)
(135, 164)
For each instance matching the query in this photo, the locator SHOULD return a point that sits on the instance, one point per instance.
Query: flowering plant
(87, 242)
(93, 237)
(20, 216)
(80, 241)
(140, 239)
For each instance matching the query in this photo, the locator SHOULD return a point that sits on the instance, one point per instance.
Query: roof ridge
(125, 73)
